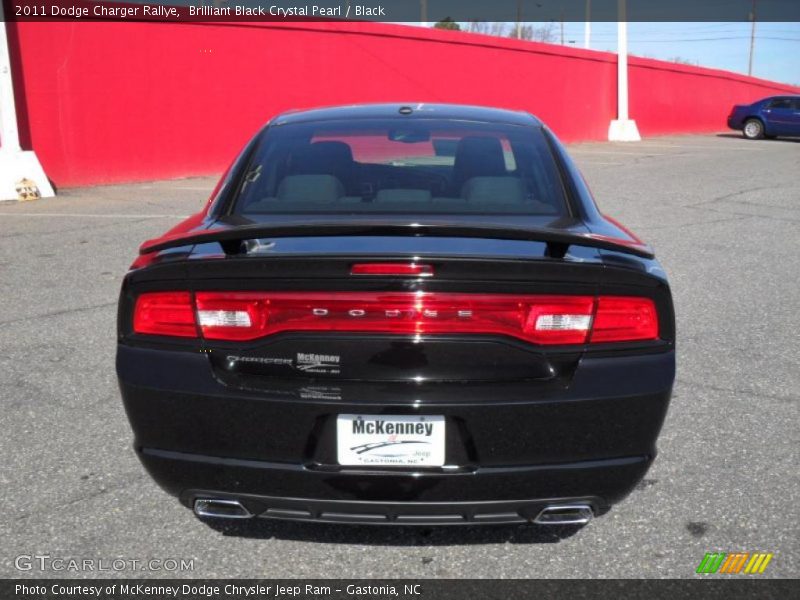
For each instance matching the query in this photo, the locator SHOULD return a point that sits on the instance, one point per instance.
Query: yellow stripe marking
(765, 563)
(751, 563)
(754, 568)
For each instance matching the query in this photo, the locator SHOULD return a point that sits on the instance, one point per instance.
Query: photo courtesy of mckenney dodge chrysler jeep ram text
(398, 314)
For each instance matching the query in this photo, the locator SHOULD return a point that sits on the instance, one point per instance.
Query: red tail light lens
(401, 269)
(242, 316)
(539, 319)
(624, 319)
(165, 313)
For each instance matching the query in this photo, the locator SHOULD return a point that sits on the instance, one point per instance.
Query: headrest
(322, 158)
(494, 190)
(479, 156)
(310, 188)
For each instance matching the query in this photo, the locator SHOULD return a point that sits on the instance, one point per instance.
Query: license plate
(386, 440)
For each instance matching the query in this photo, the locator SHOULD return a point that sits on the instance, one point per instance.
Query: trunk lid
(460, 265)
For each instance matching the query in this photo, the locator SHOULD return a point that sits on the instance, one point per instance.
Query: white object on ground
(21, 174)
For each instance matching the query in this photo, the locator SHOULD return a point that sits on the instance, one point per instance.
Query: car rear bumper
(735, 123)
(518, 449)
(301, 493)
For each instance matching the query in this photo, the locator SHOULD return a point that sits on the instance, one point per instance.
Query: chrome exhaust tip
(565, 514)
(221, 509)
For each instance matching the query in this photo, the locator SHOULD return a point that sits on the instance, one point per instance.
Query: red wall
(103, 102)
(670, 98)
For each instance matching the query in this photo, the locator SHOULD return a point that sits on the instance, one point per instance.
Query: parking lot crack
(696, 223)
(738, 391)
(732, 195)
(58, 313)
(88, 495)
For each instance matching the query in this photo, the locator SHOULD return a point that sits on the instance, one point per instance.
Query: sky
(717, 45)
(726, 46)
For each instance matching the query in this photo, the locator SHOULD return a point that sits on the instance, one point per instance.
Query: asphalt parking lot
(724, 216)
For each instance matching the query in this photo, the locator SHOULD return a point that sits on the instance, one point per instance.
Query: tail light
(559, 319)
(165, 313)
(621, 319)
(232, 315)
(407, 269)
(242, 316)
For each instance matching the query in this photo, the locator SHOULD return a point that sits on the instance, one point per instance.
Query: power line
(716, 39)
(709, 39)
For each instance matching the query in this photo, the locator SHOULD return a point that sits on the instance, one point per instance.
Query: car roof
(410, 110)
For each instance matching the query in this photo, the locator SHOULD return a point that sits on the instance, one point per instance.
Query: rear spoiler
(558, 241)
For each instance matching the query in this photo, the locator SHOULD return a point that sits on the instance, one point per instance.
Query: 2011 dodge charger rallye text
(398, 314)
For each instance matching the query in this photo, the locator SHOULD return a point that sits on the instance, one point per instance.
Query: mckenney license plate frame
(390, 440)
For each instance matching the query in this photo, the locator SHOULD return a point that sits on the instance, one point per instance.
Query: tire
(753, 129)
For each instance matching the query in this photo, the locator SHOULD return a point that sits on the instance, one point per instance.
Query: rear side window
(402, 166)
(780, 103)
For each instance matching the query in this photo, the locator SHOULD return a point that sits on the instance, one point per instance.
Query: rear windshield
(392, 166)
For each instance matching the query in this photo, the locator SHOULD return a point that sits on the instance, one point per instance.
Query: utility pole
(622, 68)
(623, 128)
(587, 25)
(752, 39)
(21, 175)
(519, 19)
(562, 27)
(423, 11)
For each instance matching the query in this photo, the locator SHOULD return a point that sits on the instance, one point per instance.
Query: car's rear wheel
(753, 129)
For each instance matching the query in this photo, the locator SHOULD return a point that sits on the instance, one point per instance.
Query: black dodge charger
(398, 314)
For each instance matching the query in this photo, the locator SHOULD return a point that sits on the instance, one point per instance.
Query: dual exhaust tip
(565, 514)
(221, 509)
(554, 514)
